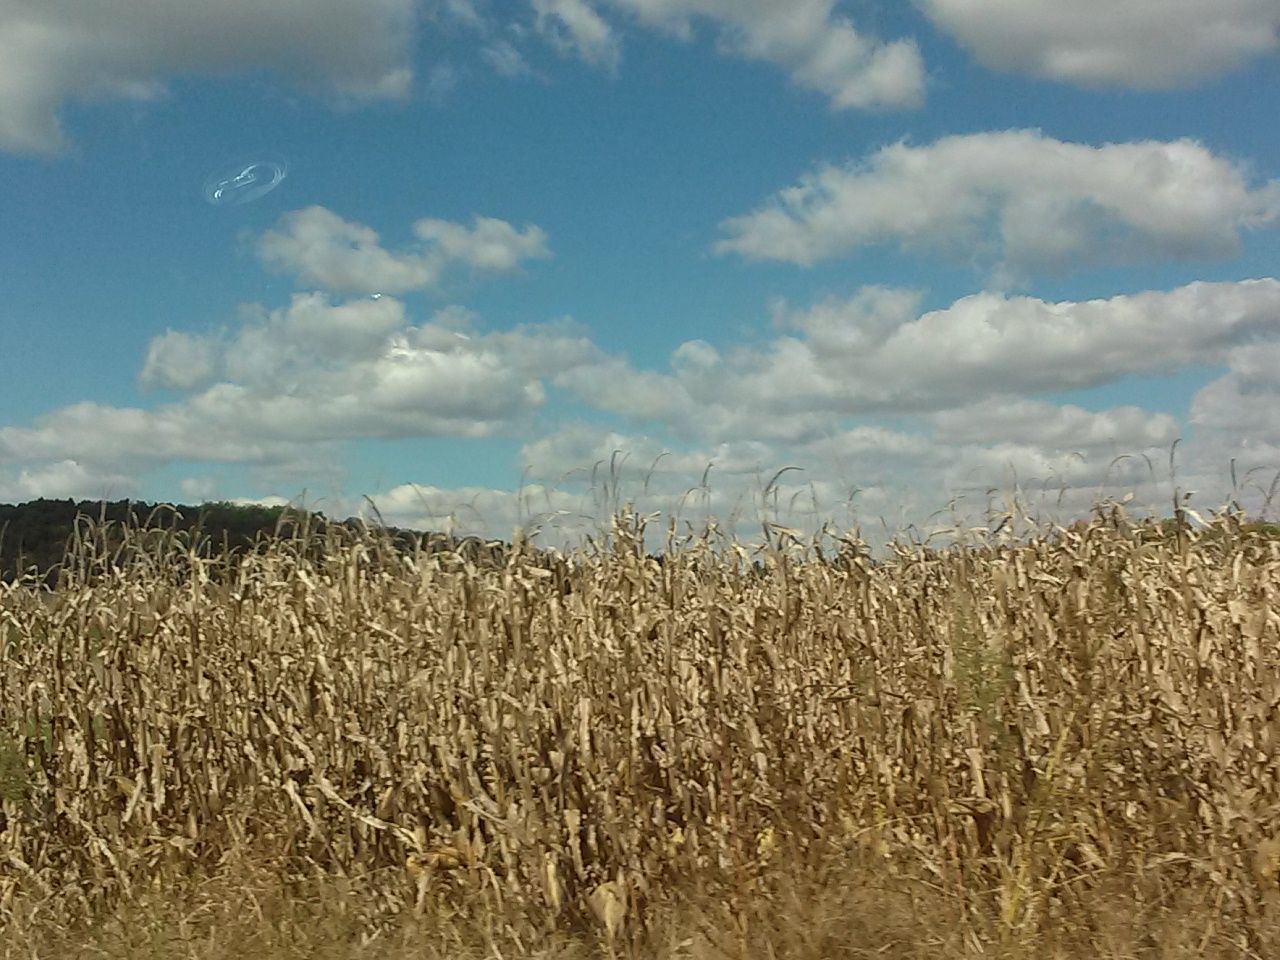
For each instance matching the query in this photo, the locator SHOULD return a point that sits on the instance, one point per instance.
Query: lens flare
(244, 182)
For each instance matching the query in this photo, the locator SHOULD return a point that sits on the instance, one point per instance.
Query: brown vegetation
(1064, 748)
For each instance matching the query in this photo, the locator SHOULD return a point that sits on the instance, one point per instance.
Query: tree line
(36, 537)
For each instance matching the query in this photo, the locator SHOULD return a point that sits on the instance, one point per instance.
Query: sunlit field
(1064, 747)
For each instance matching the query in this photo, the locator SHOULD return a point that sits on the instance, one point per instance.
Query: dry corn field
(1066, 749)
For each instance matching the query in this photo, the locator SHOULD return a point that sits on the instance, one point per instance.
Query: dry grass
(1065, 749)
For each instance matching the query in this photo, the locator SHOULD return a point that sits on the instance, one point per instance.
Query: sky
(488, 264)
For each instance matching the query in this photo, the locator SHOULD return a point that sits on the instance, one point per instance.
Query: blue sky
(917, 249)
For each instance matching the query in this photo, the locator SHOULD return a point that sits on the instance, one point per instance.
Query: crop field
(1061, 749)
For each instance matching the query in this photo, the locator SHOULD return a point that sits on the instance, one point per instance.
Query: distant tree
(35, 537)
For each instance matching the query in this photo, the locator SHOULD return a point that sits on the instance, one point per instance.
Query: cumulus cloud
(960, 385)
(66, 479)
(561, 516)
(56, 51)
(609, 467)
(865, 474)
(989, 342)
(579, 453)
(199, 489)
(886, 483)
(281, 394)
(820, 50)
(1238, 414)
(873, 355)
(123, 438)
(327, 251)
(1060, 429)
(858, 323)
(489, 244)
(393, 380)
(291, 384)
(177, 361)
(1138, 44)
(612, 384)
(296, 382)
(1018, 201)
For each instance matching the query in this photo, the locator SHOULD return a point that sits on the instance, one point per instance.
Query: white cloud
(873, 355)
(583, 450)
(861, 322)
(961, 377)
(1139, 44)
(1238, 414)
(483, 511)
(505, 59)
(886, 483)
(56, 51)
(990, 343)
(489, 244)
(1059, 429)
(574, 25)
(608, 468)
(326, 251)
(1006, 468)
(178, 361)
(820, 50)
(502, 55)
(292, 384)
(309, 337)
(67, 479)
(284, 391)
(612, 384)
(389, 381)
(1016, 200)
(461, 12)
(878, 472)
(122, 438)
(354, 330)
(198, 489)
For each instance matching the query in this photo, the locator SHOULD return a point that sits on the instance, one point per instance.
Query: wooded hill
(35, 536)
